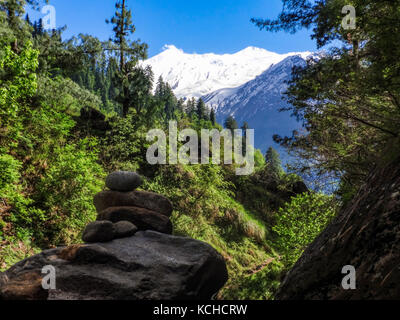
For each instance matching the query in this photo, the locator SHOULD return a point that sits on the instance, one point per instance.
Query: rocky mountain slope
(258, 102)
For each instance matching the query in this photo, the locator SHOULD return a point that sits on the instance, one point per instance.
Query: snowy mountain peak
(195, 75)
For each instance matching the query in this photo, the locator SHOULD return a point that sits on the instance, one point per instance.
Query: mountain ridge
(196, 75)
(258, 103)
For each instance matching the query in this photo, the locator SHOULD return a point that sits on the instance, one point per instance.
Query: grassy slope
(209, 212)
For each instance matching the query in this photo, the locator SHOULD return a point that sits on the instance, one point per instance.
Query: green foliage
(213, 116)
(66, 94)
(76, 176)
(17, 85)
(259, 160)
(51, 167)
(10, 175)
(38, 155)
(300, 221)
(259, 283)
(205, 208)
(273, 163)
(15, 252)
(125, 145)
(128, 53)
(347, 99)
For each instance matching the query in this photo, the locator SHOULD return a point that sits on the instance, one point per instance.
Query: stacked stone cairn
(123, 210)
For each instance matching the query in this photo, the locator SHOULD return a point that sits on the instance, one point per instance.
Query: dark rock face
(98, 231)
(25, 286)
(365, 235)
(149, 265)
(142, 218)
(124, 229)
(143, 199)
(123, 181)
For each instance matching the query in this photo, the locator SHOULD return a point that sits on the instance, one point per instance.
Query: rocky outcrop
(120, 262)
(148, 265)
(365, 235)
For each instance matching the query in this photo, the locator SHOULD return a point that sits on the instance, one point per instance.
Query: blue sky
(201, 26)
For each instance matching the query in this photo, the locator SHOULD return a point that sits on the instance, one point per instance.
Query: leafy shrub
(67, 189)
(300, 221)
(9, 168)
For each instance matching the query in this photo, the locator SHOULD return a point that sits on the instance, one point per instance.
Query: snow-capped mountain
(248, 85)
(258, 102)
(195, 75)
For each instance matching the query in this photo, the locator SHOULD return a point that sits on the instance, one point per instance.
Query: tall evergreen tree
(273, 161)
(191, 107)
(244, 127)
(15, 29)
(230, 123)
(201, 110)
(128, 52)
(213, 117)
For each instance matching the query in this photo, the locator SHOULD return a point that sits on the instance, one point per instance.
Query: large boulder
(143, 199)
(148, 265)
(365, 235)
(123, 181)
(142, 218)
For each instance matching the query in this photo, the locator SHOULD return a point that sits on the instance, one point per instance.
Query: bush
(300, 221)
(67, 189)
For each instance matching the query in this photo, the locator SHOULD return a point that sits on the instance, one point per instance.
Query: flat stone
(123, 229)
(143, 199)
(142, 218)
(98, 231)
(123, 181)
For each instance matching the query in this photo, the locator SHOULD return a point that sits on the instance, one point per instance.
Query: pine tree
(128, 52)
(230, 123)
(212, 116)
(201, 109)
(244, 127)
(160, 88)
(191, 107)
(273, 162)
(15, 28)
